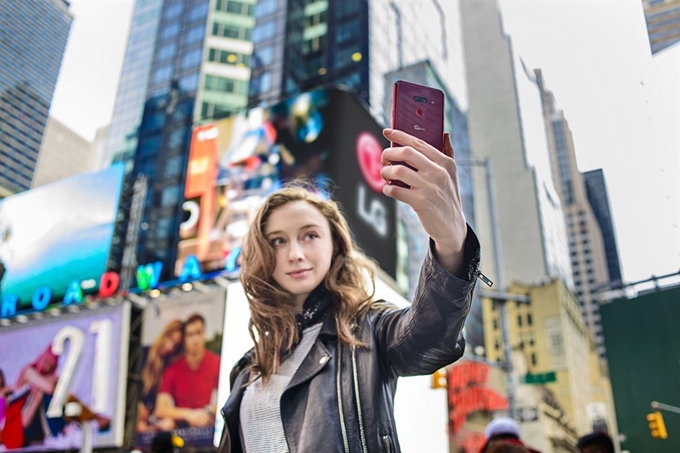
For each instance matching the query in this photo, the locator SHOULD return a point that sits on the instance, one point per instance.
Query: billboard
(181, 343)
(325, 136)
(48, 363)
(55, 235)
(642, 341)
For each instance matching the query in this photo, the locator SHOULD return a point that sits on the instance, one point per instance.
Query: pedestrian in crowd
(503, 436)
(323, 372)
(597, 442)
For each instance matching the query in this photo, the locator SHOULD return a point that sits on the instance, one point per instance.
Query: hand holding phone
(417, 110)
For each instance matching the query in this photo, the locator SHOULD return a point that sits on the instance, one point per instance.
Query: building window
(173, 11)
(264, 8)
(263, 56)
(519, 320)
(170, 31)
(194, 35)
(531, 338)
(497, 344)
(167, 51)
(265, 30)
(199, 11)
(191, 59)
(162, 74)
(533, 359)
(189, 82)
(530, 319)
(170, 196)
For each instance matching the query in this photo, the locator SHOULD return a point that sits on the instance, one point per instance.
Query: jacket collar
(328, 328)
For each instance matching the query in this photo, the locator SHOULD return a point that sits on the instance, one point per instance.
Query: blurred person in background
(324, 369)
(503, 436)
(597, 442)
(165, 350)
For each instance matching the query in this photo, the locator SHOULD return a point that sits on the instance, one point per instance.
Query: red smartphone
(418, 110)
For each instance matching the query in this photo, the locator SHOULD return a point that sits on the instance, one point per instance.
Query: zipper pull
(484, 278)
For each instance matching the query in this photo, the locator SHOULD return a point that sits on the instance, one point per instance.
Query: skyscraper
(596, 188)
(63, 153)
(505, 123)
(586, 246)
(33, 34)
(300, 44)
(663, 23)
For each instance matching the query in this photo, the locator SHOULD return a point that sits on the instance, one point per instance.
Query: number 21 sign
(45, 364)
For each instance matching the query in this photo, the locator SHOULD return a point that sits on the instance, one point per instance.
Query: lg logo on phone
(418, 128)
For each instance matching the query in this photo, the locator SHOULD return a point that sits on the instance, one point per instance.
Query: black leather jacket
(341, 399)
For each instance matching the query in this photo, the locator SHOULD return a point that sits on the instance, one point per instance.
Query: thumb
(448, 146)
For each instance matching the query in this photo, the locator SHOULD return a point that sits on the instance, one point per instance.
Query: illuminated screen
(48, 363)
(326, 136)
(58, 233)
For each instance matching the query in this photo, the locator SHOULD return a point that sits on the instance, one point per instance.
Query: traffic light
(439, 379)
(657, 427)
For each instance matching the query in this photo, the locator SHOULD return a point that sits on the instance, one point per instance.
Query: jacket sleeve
(427, 336)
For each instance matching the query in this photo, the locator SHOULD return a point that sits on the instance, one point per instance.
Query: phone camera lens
(420, 99)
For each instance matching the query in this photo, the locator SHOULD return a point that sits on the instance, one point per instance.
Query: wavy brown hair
(155, 362)
(273, 325)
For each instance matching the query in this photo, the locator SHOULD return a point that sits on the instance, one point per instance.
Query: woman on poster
(323, 372)
(165, 350)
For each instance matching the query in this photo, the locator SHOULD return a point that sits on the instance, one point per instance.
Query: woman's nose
(295, 253)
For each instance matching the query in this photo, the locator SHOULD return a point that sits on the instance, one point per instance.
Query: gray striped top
(260, 411)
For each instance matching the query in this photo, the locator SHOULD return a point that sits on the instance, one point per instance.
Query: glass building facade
(129, 106)
(596, 188)
(324, 44)
(29, 67)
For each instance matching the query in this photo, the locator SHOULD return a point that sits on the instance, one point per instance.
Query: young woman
(163, 351)
(323, 372)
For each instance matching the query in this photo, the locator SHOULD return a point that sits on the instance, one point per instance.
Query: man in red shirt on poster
(187, 395)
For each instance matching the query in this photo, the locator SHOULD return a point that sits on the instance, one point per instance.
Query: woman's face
(170, 343)
(303, 244)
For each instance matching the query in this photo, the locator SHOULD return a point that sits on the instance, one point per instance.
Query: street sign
(527, 414)
(542, 378)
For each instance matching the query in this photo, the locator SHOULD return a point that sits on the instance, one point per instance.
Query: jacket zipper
(343, 428)
(358, 397)
(483, 278)
(387, 443)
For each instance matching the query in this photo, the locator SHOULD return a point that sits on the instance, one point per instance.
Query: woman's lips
(299, 273)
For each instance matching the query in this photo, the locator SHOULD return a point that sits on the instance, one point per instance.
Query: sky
(622, 104)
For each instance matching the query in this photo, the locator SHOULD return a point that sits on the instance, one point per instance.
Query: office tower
(121, 142)
(550, 335)
(198, 71)
(33, 36)
(505, 124)
(157, 35)
(63, 154)
(596, 188)
(663, 23)
(586, 246)
(299, 45)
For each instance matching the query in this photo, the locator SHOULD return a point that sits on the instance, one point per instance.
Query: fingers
(404, 139)
(398, 172)
(448, 146)
(405, 154)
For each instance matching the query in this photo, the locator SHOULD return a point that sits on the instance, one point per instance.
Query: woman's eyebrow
(305, 227)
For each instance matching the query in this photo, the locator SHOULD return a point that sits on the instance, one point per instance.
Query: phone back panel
(418, 110)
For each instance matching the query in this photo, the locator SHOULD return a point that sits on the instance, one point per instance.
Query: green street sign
(542, 378)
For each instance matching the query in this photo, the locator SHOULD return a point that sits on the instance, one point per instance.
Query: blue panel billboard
(57, 234)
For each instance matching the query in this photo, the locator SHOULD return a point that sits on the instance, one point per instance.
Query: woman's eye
(276, 242)
(310, 236)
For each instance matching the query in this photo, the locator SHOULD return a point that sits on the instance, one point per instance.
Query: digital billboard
(55, 235)
(325, 136)
(181, 343)
(48, 363)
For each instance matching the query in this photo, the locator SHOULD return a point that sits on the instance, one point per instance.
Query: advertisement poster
(57, 234)
(181, 342)
(326, 137)
(48, 363)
